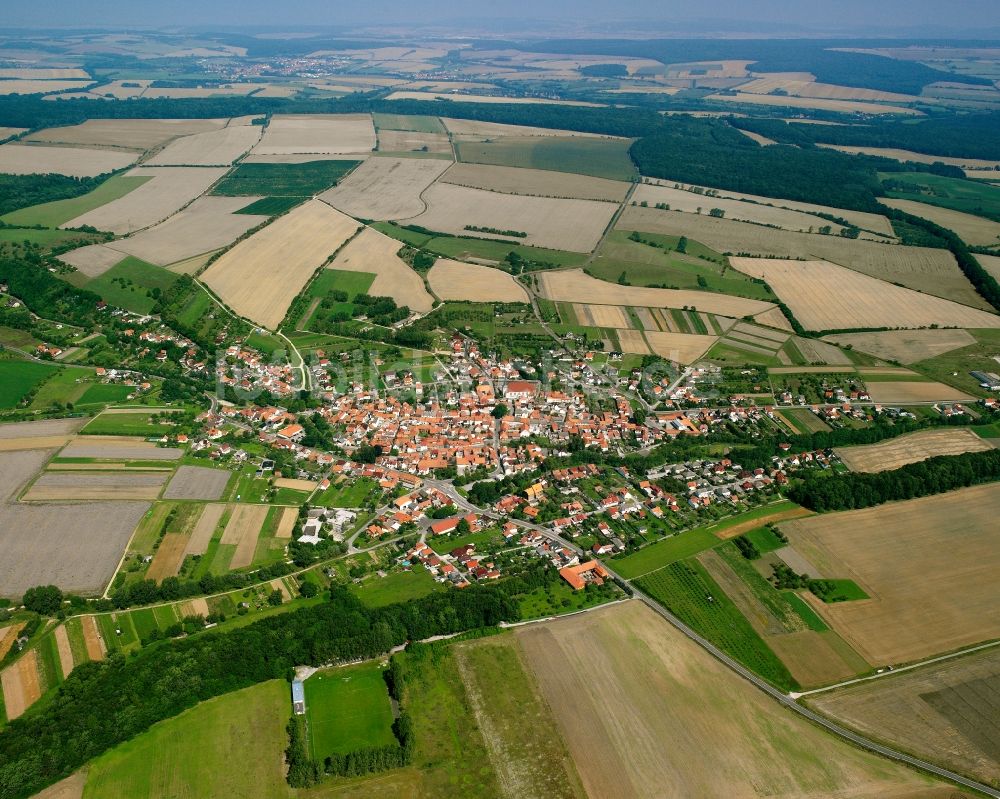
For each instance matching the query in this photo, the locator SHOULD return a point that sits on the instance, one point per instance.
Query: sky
(973, 17)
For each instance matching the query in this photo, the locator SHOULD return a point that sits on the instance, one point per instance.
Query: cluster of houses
(248, 372)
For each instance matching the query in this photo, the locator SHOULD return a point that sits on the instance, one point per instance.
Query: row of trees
(933, 476)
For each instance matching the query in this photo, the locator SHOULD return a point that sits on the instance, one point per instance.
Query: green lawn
(283, 180)
(103, 393)
(602, 158)
(18, 378)
(346, 495)
(397, 586)
(970, 196)
(446, 543)
(131, 284)
(765, 540)
(227, 746)
(125, 424)
(59, 212)
(348, 709)
(841, 590)
(689, 592)
(418, 124)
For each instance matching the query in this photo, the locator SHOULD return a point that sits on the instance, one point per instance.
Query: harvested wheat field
(910, 155)
(601, 315)
(808, 88)
(60, 486)
(575, 225)
(646, 713)
(214, 148)
(485, 98)
(929, 566)
(168, 558)
(910, 448)
(632, 341)
(196, 607)
(28, 86)
(38, 435)
(876, 223)
(8, 635)
(208, 224)
(21, 685)
(138, 134)
(92, 260)
(817, 103)
(77, 162)
(242, 530)
(44, 73)
(825, 296)
(260, 276)
(318, 134)
(816, 351)
(287, 523)
(375, 253)
(472, 127)
(689, 202)
(574, 285)
(6, 133)
(92, 638)
(64, 650)
(945, 713)
(931, 271)
(197, 482)
(170, 189)
(971, 229)
(386, 188)
(680, 347)
(204, 529)
(902, 392)
(406, 141)
(454, 280)
(120, 447)
(905, 346)
(991, 263)
(535, 182)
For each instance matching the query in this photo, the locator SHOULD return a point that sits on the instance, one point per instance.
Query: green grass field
(418, 124)
(346, 495)
(59, 212)
(271, 206)
(347, 709)
(397, 586)
(970, 196)
(601, 158)
(103, 393)
(283, 180)
(842, 591)
(329, 280)
(125, 424)
(688, 592)
(45, 239)
(226, 747)
(18, 378)
(130, 284)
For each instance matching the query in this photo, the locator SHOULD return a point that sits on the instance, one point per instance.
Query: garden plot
(119, 448)
(77, 162)
(689, 202)
(971, 229)
(21, 685)
(375, 253)
(246, 277)
(214, 148)
(912, 448)
(575, 225)
(168, 558)
(574, 285)
(931, 271)
(905, 346)
(680, 347)
(405, 141)
(929, 566)
(318, 134)
(825, 296)
(197, 482)
(138, 134)
(208, 224)
(535, 182)
(386, 188)
(59, 486)
(170, 189)
(204, 529)
(74, 546)
(454, 280)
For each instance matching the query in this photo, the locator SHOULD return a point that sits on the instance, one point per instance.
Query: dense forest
(821, 492)
(22, 191)
(957, 136)
(102, 704)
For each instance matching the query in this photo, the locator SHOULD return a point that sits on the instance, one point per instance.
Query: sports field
(348, 709)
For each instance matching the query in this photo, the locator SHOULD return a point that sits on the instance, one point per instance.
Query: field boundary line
(887, 673)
